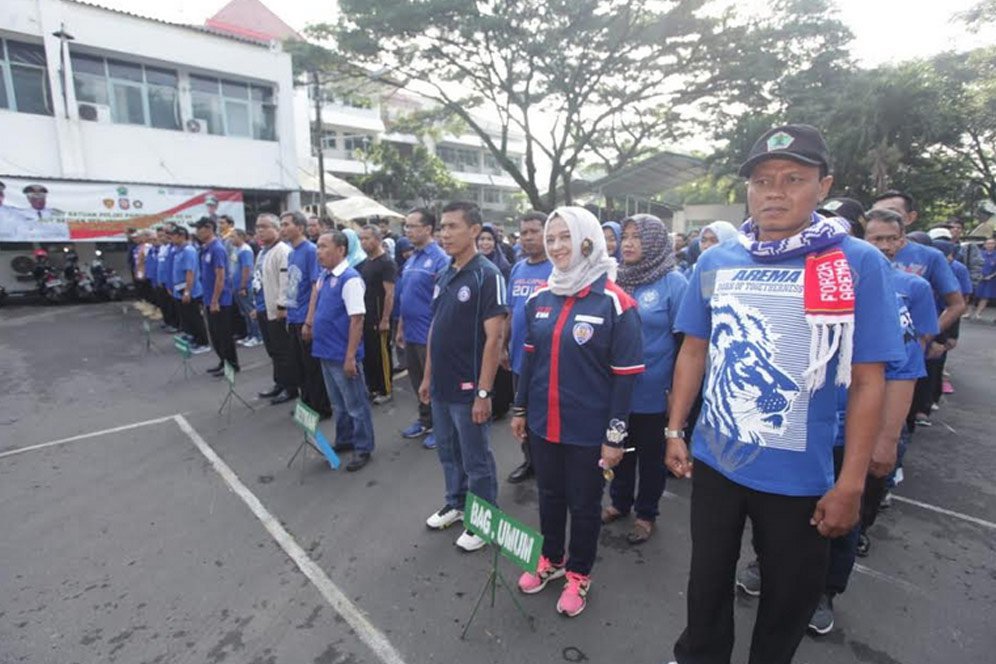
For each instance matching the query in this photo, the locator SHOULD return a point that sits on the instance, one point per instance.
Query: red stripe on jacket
(553, 398)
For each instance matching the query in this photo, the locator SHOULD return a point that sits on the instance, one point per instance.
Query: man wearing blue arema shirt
(774, 323)
(217, 286)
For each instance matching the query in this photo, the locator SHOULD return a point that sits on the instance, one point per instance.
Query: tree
(613, 78)
(416, 178)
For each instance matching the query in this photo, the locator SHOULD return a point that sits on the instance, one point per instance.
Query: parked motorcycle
(3, 295)
(50, 284)
(79, 283)
(106, 282)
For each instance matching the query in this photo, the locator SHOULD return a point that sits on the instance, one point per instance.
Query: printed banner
(54, 211)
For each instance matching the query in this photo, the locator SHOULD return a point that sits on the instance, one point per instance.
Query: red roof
(251, 19)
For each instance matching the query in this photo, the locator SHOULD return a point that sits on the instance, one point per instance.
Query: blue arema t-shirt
(185, 260)
(524, 279)
(302, 272)
(658, 305)
(917, 317)
(760, 426)
(166, 266)
(928, 263)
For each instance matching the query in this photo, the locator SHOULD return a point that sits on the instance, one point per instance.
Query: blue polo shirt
(760, 426)
(330, 327)
(583, 355)
(185, 260)
(930, 264)
(416, 292)
(525, 278)
(963, 276)
(462, 301)
(917, 317)
(165, 272)
(152, 265)
(302, 272)
(214, 256)
(658, 306)
(239, 258)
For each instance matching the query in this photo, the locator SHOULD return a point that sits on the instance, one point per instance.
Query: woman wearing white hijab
(715, 233)
(584, 350)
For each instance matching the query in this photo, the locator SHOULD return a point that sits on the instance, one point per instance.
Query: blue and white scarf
(828, 291)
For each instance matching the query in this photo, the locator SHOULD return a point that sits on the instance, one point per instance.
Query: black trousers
(929, 386)
(646, 434)
(504, 393)
(377, 360)
(264, 333)
(170, 308)
(278, 346)
(220, 329)
(192, 320)
(793, 558)
(309, 371)
(415, 358)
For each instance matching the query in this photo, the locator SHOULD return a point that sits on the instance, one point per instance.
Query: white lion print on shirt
(748, 396)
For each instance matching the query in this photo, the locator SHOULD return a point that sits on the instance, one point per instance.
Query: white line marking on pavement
(367, 632)
(940, 510)
(889, 579)
(84, 436)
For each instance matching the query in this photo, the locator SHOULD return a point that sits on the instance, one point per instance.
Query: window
(492, 196)
(24, 85)
(136, 94)
(234, 108)
(329, 140)
(352, 143)
(491, 164)
(460, 159)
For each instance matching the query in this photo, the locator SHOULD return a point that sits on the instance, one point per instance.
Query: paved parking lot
(187, 539)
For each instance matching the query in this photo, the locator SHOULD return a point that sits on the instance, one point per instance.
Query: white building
(93, 96)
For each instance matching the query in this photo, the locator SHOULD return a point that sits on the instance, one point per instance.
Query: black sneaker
(749, 579)
(864, 546)
(339, 448)
(886, 501)
(272, 392)
(522, 473)
(359, 460)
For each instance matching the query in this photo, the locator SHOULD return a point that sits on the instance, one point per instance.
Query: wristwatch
(616, 433)
(674, 433)
(483, 393)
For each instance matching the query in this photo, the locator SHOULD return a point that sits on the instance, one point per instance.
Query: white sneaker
(470, 542)
(252, 343)
(200, 350)
(444, 518)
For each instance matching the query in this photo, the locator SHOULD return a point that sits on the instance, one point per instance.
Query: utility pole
(317, 94)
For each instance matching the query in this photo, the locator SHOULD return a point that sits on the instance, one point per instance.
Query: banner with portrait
(60, 211)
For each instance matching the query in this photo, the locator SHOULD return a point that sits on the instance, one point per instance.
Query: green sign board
(518, 542)
(229, 373)
(182, 346)
(306, 418)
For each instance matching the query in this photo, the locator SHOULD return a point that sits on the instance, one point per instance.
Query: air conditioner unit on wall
(197, 126)
(94, 112)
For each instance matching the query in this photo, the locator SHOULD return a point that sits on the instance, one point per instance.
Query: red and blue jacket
(583, 354)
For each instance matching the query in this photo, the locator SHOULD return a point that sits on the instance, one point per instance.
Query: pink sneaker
(545, 573)
(572, 601)
(947, 387)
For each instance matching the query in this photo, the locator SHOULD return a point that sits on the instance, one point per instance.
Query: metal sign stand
(230, 379)
(495, 579)
(307, 419)
(183, 349)
(150, 345)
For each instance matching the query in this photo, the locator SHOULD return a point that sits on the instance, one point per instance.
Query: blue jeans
(464, 453)
(353, 417)
(246, 307)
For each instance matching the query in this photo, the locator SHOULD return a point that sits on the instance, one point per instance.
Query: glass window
(208, 108)
(24, 84)
(125, 71)
(202, 84)
(26, 54)
(164, 107)
(154, 76)
(234, 90)
(492, 196)
(237, 118)
(3, 89)
(128, 106)
(354, 142)
(264, 122)
(329, 140)
(85, 64)
(31, 89)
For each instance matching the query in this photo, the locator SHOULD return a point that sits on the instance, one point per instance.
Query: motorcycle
(50, 284)
(106, 282)
(80, 283)
(3, 295)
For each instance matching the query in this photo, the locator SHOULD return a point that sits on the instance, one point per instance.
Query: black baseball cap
(206, 222)
(848, 208)
(798, 142)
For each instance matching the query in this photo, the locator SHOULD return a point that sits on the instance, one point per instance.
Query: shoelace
(575, 583)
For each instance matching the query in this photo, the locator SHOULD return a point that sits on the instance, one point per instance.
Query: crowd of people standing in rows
(624, 356)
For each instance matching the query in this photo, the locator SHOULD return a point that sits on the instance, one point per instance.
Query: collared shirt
(416, 291)
(165, 272)
(760, 426)
(239, 259)
(302, 272)
(583, 355)
(658, 305)
(340, 295)
(152, 264)
(524, 279)
(214, 256)
(462, 301)
(185, 260)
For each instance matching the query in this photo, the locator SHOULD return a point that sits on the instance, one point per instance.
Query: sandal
(610, 514)
(642, 530)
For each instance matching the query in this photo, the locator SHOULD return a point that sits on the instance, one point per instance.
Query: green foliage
(614, 78)
(415, 178)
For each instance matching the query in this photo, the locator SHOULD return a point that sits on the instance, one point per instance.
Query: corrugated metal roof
(199, 28)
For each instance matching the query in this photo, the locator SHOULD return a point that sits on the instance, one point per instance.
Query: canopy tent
(360, 207)
(334, 186)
